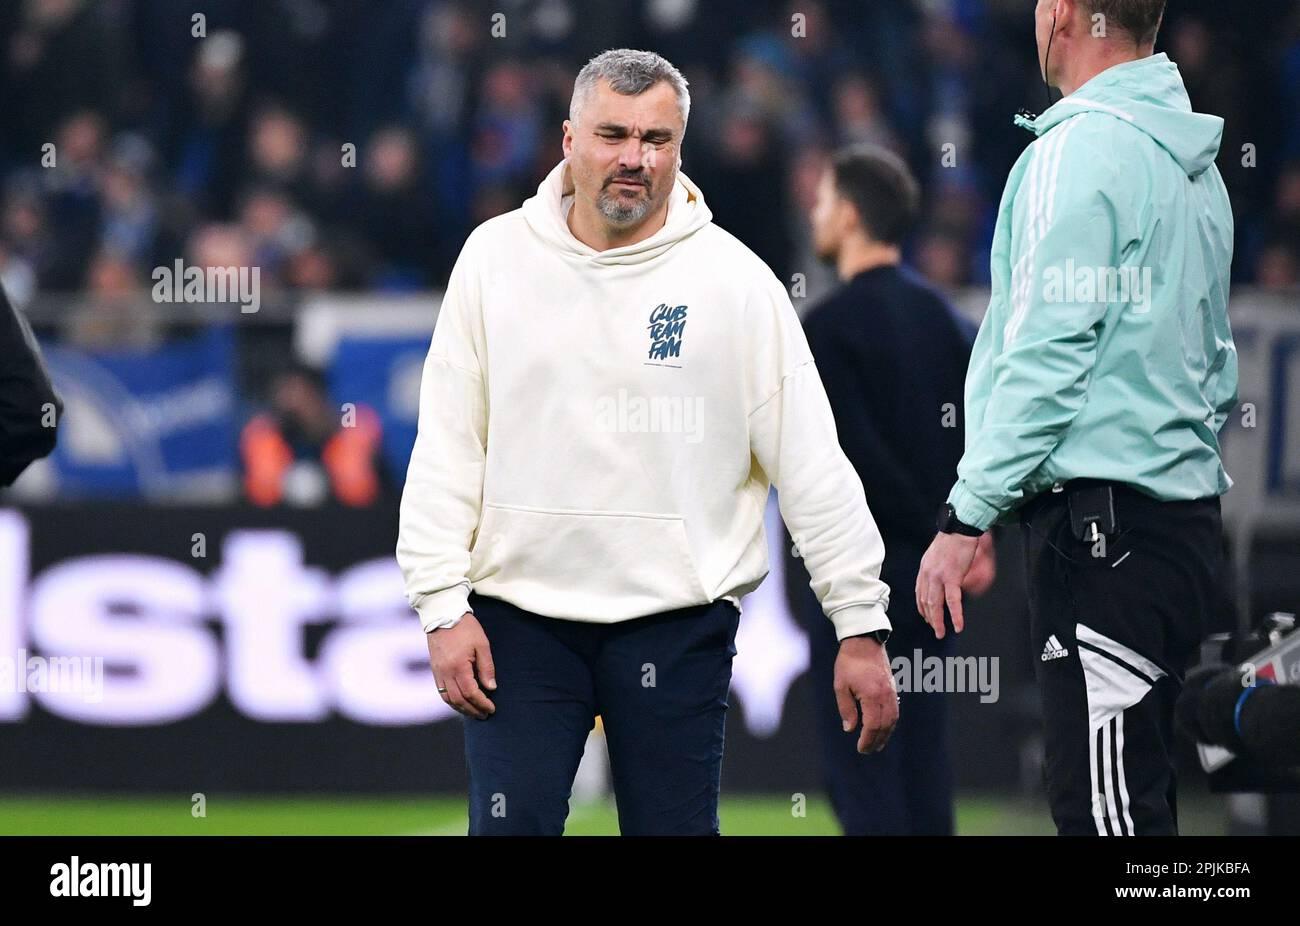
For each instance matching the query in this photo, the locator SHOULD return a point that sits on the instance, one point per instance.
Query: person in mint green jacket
(1100, 379)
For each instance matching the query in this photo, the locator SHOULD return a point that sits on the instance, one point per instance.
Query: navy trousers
(659, 684)
(906, 789)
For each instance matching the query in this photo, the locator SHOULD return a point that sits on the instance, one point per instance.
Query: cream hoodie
(598, 429)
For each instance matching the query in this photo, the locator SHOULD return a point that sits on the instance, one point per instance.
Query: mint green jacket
(1106, 351)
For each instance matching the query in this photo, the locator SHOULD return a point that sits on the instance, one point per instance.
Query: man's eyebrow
(619, 129)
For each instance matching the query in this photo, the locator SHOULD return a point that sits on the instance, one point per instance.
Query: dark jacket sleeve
(29, 407)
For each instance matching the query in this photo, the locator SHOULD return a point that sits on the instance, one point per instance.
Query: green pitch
(420, 816)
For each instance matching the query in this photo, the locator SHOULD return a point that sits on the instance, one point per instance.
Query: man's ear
(850, 217)
(566, 143)
(1065, 11)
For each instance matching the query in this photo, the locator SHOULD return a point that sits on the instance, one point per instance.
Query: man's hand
(942, 570)
(454, 653)
(984, 569)
(862, 676)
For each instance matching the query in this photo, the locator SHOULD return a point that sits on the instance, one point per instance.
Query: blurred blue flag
(158, 423)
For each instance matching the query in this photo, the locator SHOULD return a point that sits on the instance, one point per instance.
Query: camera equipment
(1244, 715)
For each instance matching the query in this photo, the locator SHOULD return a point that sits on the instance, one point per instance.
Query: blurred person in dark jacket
(892, 354)
(393, 209)
(29, 407)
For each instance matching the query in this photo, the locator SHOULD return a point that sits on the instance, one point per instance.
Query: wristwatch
(880, 636)
(949, 523)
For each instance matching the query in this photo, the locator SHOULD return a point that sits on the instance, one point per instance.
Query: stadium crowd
(350, 146)
(231, 148)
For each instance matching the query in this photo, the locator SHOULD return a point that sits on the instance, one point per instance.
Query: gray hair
(629, 72)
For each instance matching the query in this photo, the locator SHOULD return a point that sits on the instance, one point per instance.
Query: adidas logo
(1053, 650)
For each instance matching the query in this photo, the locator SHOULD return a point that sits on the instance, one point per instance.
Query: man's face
(829, 218)
(623, 152)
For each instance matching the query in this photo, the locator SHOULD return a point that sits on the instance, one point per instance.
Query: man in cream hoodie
(612, 385)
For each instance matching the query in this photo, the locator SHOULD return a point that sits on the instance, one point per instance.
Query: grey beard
(616, 212)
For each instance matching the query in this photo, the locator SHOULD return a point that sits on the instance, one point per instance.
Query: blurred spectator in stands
(278, 154)
(62, 55)
(116, 312)
(130, 226)
(762, 82)
(1286, 208)
(394, 210)
(507, 130)
(218, 245)
(303, 451)
(268, 98)
(441, 79)
(819, 56)
(951, 48)
(443, 88)
(1212, 78)
(941, 258)
(26, 244)
(858, 116)
(494, 200)
(745, 184)
(1288, 82)
(207, 144)
(275, 231)
(73, 198)
(332, 172)
(315, 268)
(1278, 267)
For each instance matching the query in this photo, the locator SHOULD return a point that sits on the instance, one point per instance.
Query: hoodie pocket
(586, 565)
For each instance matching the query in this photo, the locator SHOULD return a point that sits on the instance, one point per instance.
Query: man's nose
(631, 155)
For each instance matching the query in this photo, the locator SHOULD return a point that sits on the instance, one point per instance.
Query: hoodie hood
(547, 211)
(1148, 94)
